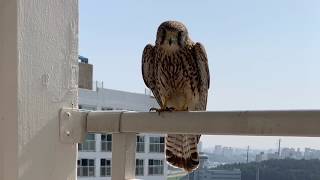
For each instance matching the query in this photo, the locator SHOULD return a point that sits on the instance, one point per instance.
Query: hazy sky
(262, 54)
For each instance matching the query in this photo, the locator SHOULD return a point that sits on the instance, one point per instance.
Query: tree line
(278, 169)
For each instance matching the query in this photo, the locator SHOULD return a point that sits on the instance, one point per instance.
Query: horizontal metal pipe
(263, 123)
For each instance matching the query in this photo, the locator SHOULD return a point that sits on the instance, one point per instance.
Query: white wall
(38, 76)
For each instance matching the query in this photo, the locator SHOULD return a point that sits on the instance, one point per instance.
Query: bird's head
(172, 35)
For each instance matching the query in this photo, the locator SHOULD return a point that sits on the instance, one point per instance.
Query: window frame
(89, 145)
(139, 167)
(82, 168)
(106, 143)
(157, 146)
(155, 169)
(141, 144)
(105, 168)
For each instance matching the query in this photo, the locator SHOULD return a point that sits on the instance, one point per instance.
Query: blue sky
(262, 54)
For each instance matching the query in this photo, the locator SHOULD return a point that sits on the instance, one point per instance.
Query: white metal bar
(123, 156)
(101, 121)
(266, 123)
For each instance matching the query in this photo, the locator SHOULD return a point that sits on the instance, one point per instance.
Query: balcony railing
(125, 125)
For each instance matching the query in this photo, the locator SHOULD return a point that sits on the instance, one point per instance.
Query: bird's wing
(203, 73)
(148, 71)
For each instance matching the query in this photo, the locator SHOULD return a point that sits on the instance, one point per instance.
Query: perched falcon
(176, 70)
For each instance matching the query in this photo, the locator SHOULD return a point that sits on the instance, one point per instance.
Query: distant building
(261, 157)
(218, 149)
(94, 157)
(266, 156)
(227, 151)
(291, 153)
(311, 153)
(206, 173)
(272, 155)
(85, 73)
(288, 153)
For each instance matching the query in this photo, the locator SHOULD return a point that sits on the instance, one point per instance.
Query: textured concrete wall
(38, 76)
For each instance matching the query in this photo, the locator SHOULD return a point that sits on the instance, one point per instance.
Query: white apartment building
(94, 156)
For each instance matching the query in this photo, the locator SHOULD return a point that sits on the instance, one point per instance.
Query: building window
(105, 167)
(89, 144)
(156, 144)
(106, 142)
(139, 167)
(155, 167)
(85, 168)
(140, 144)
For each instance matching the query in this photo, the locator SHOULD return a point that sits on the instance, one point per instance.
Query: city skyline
(273, 149)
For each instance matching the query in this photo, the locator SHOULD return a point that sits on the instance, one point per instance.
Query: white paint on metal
(123, 156)
(99, 124)
(124, 125)
(261, 123)
(72, 126)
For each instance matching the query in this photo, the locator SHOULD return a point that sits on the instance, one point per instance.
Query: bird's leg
(163, 108)
(159, 110)
(170, 109)
(153, 109)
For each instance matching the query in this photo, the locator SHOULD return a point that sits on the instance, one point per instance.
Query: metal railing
(124, 126)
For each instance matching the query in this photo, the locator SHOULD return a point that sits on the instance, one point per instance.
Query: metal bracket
(73, 125)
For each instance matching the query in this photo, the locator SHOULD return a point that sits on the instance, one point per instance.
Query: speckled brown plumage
(176, 70)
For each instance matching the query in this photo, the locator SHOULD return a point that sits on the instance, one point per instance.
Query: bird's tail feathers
(181, 151)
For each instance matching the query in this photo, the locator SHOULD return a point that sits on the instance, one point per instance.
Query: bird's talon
(170, 109)
(156, 110)
(167, 109)
(153, 109)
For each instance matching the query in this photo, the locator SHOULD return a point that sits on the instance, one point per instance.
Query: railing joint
(72, 125)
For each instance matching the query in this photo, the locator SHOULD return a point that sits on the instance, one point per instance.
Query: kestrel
(176, 70)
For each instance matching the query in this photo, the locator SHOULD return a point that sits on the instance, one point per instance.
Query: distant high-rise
(218, 149)
(85, 73)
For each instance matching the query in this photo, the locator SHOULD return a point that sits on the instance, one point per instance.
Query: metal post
(123, 156)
